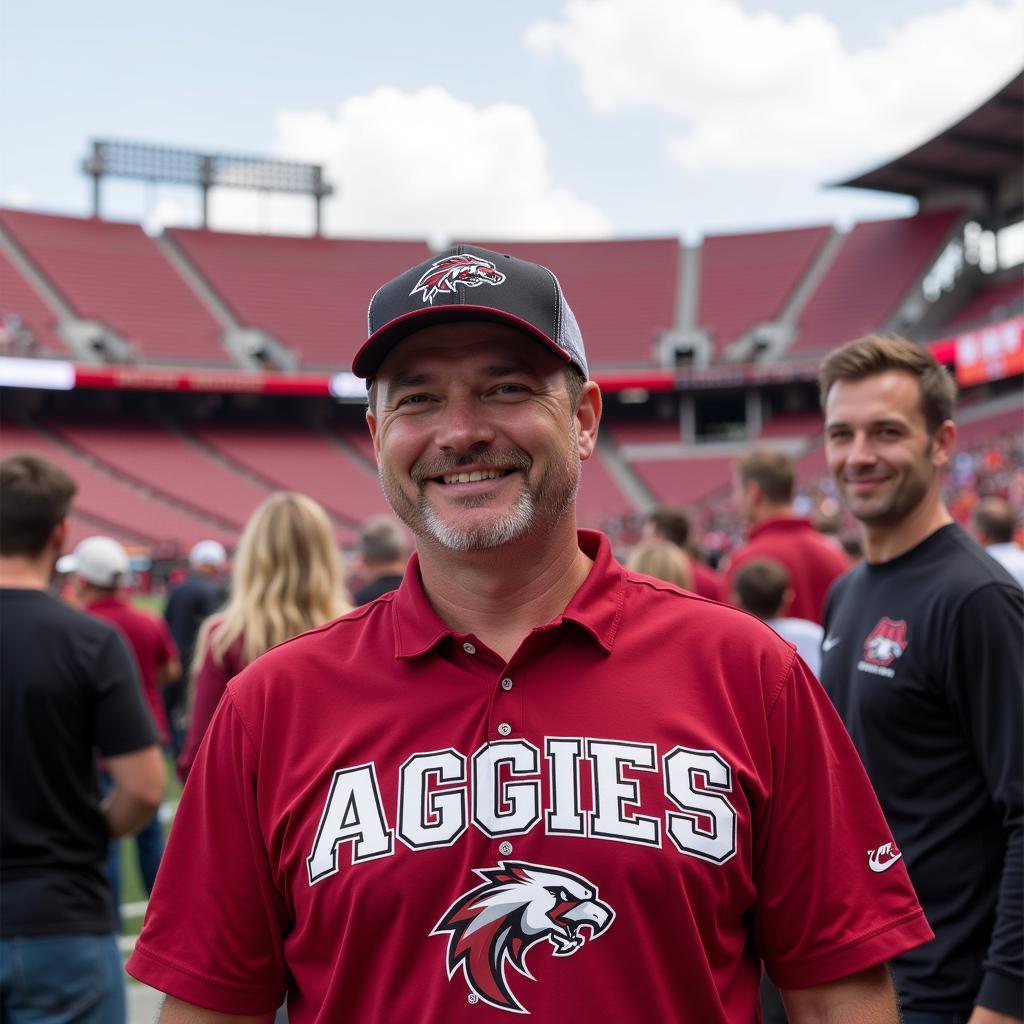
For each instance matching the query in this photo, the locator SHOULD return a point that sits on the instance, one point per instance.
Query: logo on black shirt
(884, 644)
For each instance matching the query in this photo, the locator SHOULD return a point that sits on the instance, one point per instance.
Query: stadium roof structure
(977, 161)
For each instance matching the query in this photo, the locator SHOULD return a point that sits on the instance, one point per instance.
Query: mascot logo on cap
(444, 274)
(498, 922)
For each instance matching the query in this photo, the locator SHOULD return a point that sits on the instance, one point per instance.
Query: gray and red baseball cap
(470, 283)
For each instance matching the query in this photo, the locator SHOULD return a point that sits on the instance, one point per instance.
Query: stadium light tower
(205, 170)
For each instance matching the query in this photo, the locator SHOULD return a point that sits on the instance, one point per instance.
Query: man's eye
(509, 389)
(412, 400)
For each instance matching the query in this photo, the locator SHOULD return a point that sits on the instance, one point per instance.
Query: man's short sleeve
(123, 721)
(215, 926)
(834, 895)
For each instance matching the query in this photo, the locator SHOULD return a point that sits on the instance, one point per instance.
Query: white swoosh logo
(877, 867)
(829, 642)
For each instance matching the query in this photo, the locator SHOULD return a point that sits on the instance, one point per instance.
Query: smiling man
(527, 781)
(923, 659)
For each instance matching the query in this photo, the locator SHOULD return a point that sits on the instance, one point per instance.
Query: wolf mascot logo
(886, 642)
(518, 905)
(444, 274)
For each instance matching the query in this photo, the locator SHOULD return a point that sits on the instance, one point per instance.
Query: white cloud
(19, 199)
(429, 165)
(756, 90)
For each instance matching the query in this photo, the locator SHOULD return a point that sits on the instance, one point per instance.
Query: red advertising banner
(990, 353)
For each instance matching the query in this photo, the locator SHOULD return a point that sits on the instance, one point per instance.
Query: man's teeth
(470, 478)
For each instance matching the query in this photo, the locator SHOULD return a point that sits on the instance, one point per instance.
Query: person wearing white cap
(188, 604)
(100, 567)
(68, 688)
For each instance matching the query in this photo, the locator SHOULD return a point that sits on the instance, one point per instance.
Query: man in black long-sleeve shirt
(922, 657)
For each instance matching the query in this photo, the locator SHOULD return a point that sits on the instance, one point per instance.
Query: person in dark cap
(528, 777)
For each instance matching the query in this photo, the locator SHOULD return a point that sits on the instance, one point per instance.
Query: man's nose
(862, 452)
(463, 424)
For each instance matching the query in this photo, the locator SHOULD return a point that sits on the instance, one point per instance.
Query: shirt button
(506, 684)
(505, 849)
(469, 648)
(504, 729)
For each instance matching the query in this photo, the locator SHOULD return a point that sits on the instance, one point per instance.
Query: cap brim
(376, 348)
(67, 563)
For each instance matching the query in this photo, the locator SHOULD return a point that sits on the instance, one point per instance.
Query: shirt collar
(777, 524)
(596, 606)
(111, 601)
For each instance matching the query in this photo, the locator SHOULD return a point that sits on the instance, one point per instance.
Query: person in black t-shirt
(68, 688)
(922, 656)
(384, 550)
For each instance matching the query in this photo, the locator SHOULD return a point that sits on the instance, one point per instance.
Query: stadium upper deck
(107, 292)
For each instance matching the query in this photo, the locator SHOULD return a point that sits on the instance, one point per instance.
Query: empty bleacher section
(310, 294)
(600, 496)
(684, 480)
(874, 270)
(642, 432)
(170, 465)
(18, 299)
(793, 424)
(993, 301)
(622, 292)
(298, 458)
(747, 279)
(109, 504)
(115, 274)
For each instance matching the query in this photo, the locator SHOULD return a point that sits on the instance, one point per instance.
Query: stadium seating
(116, 274)
(310, 294)
(643, 432)
(685, 480)
(19, 298)
(875, 268)
(169, 464)
(622, 292)
(111, 504)
(795, 424)
(300, 459)
(993, 301)
(600, 496)
(746, 279)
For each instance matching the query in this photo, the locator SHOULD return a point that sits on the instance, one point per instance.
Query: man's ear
(942, 443)
(588, 418)
(371, 422)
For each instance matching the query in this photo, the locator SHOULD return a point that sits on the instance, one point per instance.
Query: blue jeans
(61, 979)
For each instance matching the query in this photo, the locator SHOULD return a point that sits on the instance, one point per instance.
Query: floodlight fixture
(204, 170)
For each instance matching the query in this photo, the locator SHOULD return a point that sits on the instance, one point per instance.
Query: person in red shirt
(763, 485)
(100, 566)
(528, 780)
(673, 524)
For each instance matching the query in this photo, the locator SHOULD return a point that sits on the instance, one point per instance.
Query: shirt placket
(505, 717)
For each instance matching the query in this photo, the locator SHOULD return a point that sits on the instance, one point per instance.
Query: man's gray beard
(529, 511)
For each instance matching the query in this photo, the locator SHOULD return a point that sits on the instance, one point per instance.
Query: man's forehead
(435, 349)
(892, 393)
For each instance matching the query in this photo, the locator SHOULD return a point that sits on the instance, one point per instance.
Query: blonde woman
(287, 577)
(664, 561)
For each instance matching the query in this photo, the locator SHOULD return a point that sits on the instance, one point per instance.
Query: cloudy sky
(580, 118)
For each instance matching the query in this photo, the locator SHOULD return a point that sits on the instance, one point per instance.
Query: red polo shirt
(392, 824)
(812, 560)
(152, 644)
